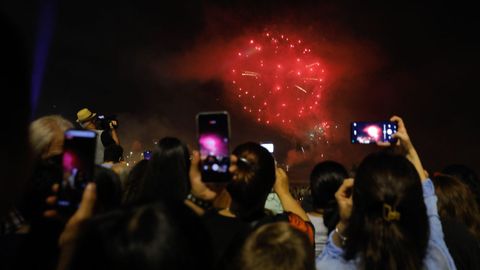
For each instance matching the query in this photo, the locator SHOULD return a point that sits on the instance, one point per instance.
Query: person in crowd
(88, 120)
(325, 179)
(278, 246)
(113, 159)
(109, 189)
(460, 218)
(37, 237)
(456, 201)
(467, 175)
(132, 187)
(388, 215)
(167, 173)
(113, 154)
(46, 140)
(253, 174)
(150, 236)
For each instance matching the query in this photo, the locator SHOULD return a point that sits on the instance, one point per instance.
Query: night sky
(155, 65)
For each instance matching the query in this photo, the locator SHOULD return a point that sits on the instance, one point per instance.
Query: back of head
(276, 246)
(456, 201)
(253, 180)
(467, 176)
(167, 175)
(47, 135)
(109, 189)
(157, 236)
(325, 179)
(134, 182)
(387, 184)
(113, 153)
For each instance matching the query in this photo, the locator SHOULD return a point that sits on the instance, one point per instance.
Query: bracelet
(343, 238)
(203, 204)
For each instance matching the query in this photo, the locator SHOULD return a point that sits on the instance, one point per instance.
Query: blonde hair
(44, 130)
(277, 246)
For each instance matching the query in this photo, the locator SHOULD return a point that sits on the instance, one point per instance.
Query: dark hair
(158, 236)
(109, 189)
(134, 182)
(325, 179)
(467, 176)
(276, 245)
(167, 175)
(456, 201)
(252, 183)
(106, 138)
(113, 153)
(385, 179)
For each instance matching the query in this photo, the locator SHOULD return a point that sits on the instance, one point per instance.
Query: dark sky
(416, 60)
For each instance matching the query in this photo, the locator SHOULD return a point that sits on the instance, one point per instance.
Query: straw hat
(85, 115)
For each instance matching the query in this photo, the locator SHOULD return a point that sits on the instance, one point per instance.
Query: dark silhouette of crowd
(160, 213)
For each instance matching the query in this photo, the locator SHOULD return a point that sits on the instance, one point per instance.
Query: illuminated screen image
(372, 132)
(213, 139)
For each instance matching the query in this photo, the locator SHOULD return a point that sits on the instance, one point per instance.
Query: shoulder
(297, 222)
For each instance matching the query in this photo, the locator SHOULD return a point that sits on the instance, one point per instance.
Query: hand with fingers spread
(405, 147)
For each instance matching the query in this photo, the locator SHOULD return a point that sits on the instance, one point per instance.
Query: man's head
(86, 118)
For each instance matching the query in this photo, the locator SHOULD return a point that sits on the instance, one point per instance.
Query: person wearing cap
(86, 119)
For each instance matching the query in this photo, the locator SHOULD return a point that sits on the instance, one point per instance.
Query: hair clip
(390, 214)
(243, 163)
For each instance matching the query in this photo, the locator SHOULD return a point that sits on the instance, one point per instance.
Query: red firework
(278, 80)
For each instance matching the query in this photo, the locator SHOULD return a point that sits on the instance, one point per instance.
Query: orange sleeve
(302, 225)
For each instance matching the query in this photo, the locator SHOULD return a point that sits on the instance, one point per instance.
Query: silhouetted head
(252, 181)
(113, 153)
(385, 184)
(157, 236)
(276, 245)
(109, 189)
(325, 179)
(456, 201)
(467, 176)
(167, 175)
(134, 183)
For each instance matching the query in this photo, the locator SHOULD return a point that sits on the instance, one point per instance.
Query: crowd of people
(161, 214)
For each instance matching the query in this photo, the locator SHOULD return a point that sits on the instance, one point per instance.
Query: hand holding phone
(373, 132)
(78, 163)
(213, 129)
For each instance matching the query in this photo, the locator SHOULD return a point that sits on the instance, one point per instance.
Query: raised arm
(404, 146)
(282, 189)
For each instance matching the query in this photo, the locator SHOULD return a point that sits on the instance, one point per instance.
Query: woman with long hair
(325, 179)
(388, 216)
(166, 176)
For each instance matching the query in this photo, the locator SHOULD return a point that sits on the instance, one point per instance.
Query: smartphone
(213, 132)
(78, 163)
(269, 146)
(372, 132)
